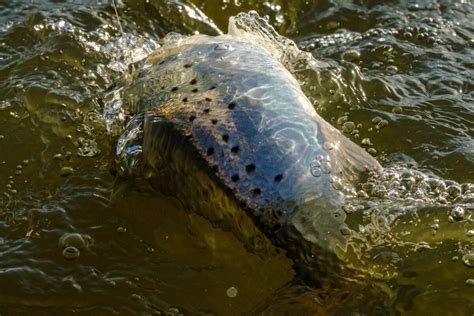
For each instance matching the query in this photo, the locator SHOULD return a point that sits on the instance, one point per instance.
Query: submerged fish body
(223, 125)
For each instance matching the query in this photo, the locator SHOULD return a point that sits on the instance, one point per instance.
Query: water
(396, 77)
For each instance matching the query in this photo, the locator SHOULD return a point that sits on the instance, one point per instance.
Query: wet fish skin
(221, 114)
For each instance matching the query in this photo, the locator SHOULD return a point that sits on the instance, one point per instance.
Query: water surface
(402, 72)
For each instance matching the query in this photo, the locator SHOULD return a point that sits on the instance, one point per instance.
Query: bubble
(454, 191)
(362, 194)
(75, 240)
(349, 209)
(328, 146)
(341, 120)
(348, 127)
(470, 233)
(66, 171)
(224, 47)
(470, 282)
(381, 124)
(366, 141)
(121, 230)
(326, 167)
(346, 231)
(351, 55)
(71, 253)
(392, 68)
(467, 188)
(372, 151)
(468, 260)
(376, 119)
(58, 157)
(173, 311)
(457, 213)
(315, 170)
(397, 109)
(136, 297)
(232, 292)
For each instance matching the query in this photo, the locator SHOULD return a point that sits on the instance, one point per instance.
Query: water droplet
(71, 253)
(232, 292)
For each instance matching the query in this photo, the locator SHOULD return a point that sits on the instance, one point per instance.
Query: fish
(221, 123)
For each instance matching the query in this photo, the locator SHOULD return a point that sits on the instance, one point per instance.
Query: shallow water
(402, 72)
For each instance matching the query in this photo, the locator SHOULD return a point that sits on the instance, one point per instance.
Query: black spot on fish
(162, 87)
(225, 138)
(208, 99)
(231, 106)
(194, 81)
(174, 89)
(210, 151)
(215, 168)
(212, 87)
(192, 118)
(214, 121)
(278, 177)
(206, 111)
(187, 65)
(234, 149)
(256, 192)
(185, 100)
(235, 178)
(250, 168)
(195, 90)
(162, 62)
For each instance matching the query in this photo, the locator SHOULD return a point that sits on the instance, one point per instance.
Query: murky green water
(402, 72)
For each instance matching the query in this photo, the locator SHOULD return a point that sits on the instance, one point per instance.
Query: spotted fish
(220, 123)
